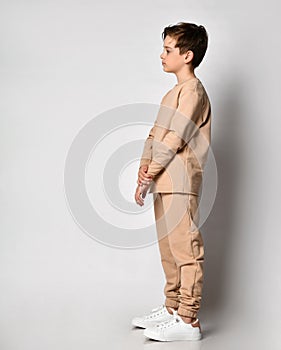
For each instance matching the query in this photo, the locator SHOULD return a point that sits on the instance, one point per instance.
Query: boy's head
(184, 43)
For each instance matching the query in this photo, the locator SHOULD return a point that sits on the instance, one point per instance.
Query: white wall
(62, 64)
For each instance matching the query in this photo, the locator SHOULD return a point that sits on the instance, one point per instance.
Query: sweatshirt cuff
(144, 161)
(154, 168)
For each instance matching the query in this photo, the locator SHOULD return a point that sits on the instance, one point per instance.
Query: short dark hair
(189, 36)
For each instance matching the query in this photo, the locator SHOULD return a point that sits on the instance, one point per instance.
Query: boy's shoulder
(192, 85)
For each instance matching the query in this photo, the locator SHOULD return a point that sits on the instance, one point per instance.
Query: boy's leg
(185, 243)
(171, 271)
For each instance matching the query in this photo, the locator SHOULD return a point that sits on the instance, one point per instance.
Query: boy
(171, 167)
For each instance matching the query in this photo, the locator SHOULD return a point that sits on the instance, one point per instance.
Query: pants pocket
(193, 212)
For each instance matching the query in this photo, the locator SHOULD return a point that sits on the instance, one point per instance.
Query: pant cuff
(187, 313)
(172, 304)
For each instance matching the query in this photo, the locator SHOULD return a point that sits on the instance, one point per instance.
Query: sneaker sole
(153, 336)
(138, 325)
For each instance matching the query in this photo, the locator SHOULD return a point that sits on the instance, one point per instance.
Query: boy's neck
(185, 75)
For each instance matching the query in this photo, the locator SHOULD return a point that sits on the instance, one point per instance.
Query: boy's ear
(188, 56)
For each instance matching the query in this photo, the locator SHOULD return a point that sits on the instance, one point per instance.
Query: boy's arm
(185, 122)
(147, 150)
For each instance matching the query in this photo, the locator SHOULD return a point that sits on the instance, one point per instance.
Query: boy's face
(172, 61)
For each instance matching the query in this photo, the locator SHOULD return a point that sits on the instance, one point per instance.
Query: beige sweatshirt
(177, 146)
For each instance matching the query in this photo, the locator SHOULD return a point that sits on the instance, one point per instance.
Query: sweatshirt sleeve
(147, 149)
(185, 122)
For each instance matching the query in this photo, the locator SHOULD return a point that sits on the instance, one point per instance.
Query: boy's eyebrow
(168, 47)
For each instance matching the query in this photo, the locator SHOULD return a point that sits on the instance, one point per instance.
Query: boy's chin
(166, 69)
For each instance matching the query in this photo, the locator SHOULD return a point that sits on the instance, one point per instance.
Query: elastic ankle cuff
(173, 306)
(187, 313)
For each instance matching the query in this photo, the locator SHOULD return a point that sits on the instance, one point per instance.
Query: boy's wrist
(144, 161)
(150, 175)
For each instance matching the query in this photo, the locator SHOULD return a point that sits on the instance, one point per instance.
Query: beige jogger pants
(181, 249)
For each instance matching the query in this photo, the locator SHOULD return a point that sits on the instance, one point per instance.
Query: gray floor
(75, 323)
(74, 318)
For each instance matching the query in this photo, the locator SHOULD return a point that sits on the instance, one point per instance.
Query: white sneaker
(157, 315)
(174, 329)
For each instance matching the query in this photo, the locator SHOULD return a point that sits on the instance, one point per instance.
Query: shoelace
(156, 312)
(176, 318)
(168, 324)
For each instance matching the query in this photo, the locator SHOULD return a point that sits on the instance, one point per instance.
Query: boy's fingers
(143, 194)
(143, 181)
(138, 198)
(143, 174)
(143, 168)
(145, 178)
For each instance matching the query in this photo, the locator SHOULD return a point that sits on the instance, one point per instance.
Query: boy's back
(183, 125)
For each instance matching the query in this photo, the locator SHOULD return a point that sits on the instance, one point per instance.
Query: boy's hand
(141, 193)
(143, 178)
(138, 196)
